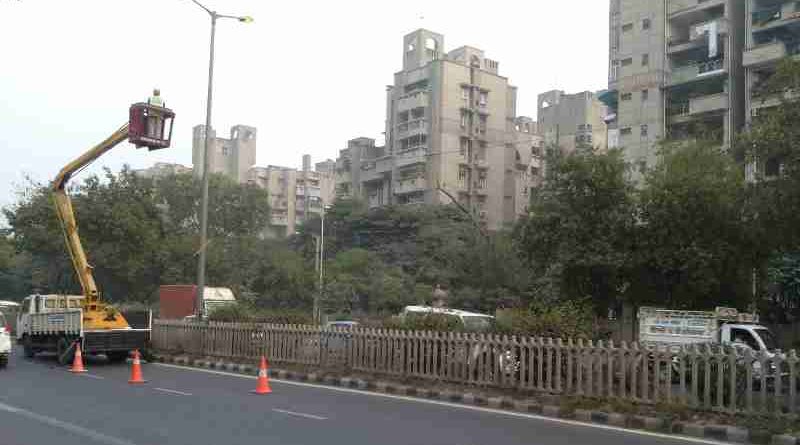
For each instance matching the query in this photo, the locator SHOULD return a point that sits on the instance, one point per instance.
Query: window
(26, 306)
(74, 304)
(646, 24)
(483, 98)
(645, 59)
(418, 113)
(465, 93)
(465, 147)
(226, 150)
(645, 95)
(627, 27)
(462, 174)
(62, 304)
(581, 127)
(744, 336)
(626, 96)
(625, 131)
(463, 119)
(482, 124)
(626, 62)
(50, 303)
(644, 130)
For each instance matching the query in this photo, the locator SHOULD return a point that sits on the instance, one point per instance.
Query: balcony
(279, 220)
(708, 104)
(410, 157)
(677, 8)
(410, 185)
(764, 54)
(414, 101)
(697, 36)
(775, 17)
(696, 71)
(313, 191)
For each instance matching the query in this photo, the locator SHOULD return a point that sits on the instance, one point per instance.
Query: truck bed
(68, 322)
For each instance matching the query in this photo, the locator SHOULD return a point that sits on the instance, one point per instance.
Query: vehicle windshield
(769, 340)
(477, 322)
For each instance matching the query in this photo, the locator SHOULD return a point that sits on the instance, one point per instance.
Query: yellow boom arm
(96, 315)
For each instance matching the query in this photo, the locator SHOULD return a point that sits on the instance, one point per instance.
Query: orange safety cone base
(262, 387)
(77, 362)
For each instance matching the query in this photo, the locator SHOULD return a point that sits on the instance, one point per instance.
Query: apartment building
(162, 169)
(529, 163)
(233, 156)
(675, 71)
(572, 120)
(450, 134)
(295, 195)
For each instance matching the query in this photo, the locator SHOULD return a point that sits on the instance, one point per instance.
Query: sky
(310, 75)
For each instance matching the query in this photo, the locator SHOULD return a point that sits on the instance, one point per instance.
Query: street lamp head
(246, 19)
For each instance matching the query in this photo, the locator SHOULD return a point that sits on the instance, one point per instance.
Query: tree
(694, 247)
(577, 237)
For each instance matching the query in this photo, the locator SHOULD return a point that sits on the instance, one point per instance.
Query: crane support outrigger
(100, 327)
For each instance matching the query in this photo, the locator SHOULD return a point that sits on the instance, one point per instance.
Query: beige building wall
(232, 157)
(450, 124)
(572, 120)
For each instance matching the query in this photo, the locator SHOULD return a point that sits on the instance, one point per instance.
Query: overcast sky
(308, 74)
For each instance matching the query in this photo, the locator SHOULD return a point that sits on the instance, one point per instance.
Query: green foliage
(569, 319)
(783, 292)
(693, 241)
(577, 239)
(245, 313)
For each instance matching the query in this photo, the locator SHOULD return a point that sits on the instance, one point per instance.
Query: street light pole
(201, 262)
(318, 297)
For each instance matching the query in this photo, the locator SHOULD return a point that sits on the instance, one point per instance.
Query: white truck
(724, 325)
(5, 341)
(54, 323)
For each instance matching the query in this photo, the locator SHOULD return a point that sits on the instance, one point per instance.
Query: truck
(723, 325)
(61, 323)
(53, 323)
(177, 301)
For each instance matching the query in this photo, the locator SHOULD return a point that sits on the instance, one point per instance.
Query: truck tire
(27, 349)
(65, 355)
(3, 361)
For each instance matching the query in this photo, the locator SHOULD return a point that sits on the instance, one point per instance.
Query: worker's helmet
(156, 92)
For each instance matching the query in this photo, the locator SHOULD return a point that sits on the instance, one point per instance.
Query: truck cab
(748, 336)
(45, 304)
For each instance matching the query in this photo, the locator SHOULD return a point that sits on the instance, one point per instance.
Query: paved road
(42, 403)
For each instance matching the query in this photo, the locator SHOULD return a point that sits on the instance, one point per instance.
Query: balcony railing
(764, 54)
(691, 72)
(410, 185)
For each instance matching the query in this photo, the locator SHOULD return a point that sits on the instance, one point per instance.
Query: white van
(5, 341)
(472, 321)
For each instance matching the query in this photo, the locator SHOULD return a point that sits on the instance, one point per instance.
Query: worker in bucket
(154, 119)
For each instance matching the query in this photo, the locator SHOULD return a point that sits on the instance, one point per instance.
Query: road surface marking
(172, 391)
(92, 376)
(463, 407)
(293, 413)
(72, 428)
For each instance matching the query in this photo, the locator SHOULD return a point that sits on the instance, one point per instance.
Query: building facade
(450, 136)
(572, 120)
(233, 156)
(294, 195)
(162, 169)
(675, 71)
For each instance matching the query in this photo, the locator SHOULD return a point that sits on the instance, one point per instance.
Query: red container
(176, 301)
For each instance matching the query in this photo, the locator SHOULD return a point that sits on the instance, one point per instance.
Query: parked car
(5, 341)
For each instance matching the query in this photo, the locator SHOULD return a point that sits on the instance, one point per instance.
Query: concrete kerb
(716, 432)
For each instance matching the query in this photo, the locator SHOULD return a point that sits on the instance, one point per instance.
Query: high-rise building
(572, 120)
(773, 33)
(232, 157)
(675, 71)
(450, 135)
(294, 195)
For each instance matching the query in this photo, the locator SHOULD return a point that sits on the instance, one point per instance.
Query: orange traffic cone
(77, 362)
(262, 387)
(136, 369)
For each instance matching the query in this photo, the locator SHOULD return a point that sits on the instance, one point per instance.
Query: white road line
(464, 407)
(72, 428)
(172, 391)
(92, 376)
(293, 413)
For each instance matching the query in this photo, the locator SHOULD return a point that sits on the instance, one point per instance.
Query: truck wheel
(27, 349)
(3, 361)
(65, 355)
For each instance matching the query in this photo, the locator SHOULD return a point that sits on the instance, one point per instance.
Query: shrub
(426, 322)
(571, 319)
(243, 313)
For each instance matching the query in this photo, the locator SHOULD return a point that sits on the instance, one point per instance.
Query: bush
(571, 319)
(244, 313)
(426, 322)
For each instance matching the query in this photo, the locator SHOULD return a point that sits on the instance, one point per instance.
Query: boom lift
(100, 327)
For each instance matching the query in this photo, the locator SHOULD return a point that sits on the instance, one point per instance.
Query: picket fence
(703, 377)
